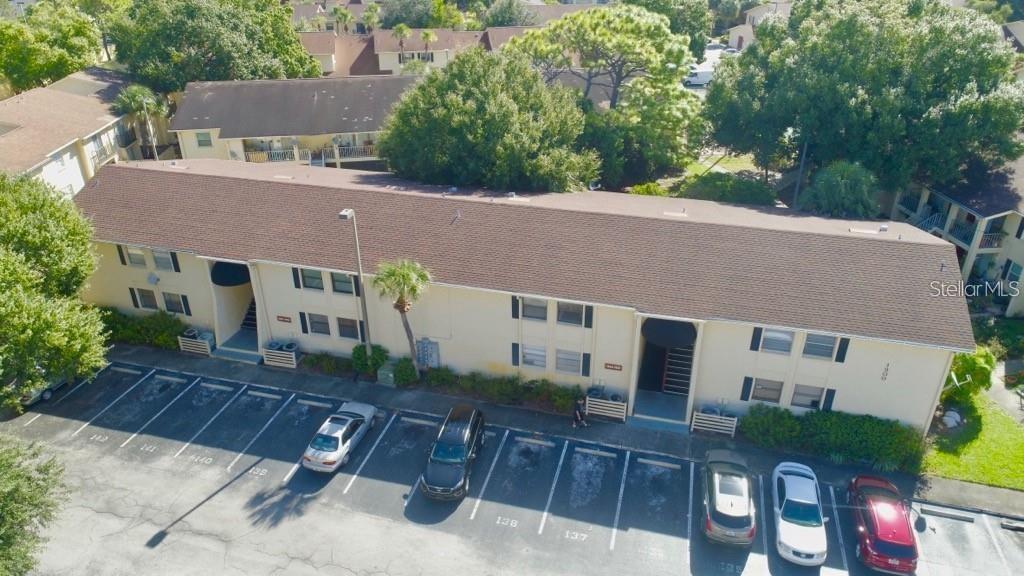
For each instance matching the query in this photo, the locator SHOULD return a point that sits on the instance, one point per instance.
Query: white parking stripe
(487, 478)
(618, 506)
(86, 381)
(220, 387)
(260, 433)
(292, 472)
(536, 441)
(835, 522)
(551, 494)
(162, 410)
(689, 513)
(370, 453)
(999, 549)
(107, 407)
(593, 452)
(167, 378)
(210, 421)
(650, 462)
(32, 420)
(314, 403)
(418, 421)
(412, 491)
(126, 370)
(266, 395)
(764, 514)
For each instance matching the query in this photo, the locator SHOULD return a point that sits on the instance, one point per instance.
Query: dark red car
(885, 537)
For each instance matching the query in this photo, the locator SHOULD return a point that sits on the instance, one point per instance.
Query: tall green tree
(691, 18)
(45, 258)
(910, 90)
(403, 281)
(343, 18)
(31, 490)
(412, 13)
(606, 46)
(105, 13)
(168, 43)
(428, 37)
(141, 105)
(371, 16)
(54, 39)
(508, 13)
(842, 190)
(401, 33)
(489, 120)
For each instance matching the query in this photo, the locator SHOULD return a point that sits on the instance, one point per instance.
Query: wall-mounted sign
(287, 319)
(610, 366)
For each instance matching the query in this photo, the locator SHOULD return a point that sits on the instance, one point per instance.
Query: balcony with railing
(260, 156)
(314, 156)
(930, 223)
(963, 232)
(992, 241)
(909, 202)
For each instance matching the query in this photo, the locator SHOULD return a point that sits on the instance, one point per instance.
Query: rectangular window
(136, 257)
(767, 390)
(341, 283)
(778, 341)
(319, 324)
(203, 140)
(535, 356)
(312, 279)
(567, 361)
(807, 396)
(820, 346)
(535, 309)
(1014, 272)
(147, 299)
(162, 260)
(569, 313)
(348, 328)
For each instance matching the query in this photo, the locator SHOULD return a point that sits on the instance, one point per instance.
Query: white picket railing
(606, 408)
(714, 423)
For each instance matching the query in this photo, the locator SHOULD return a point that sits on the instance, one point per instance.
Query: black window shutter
(357, 289)
(830, 395)
(1006, 268)
(586, 364)
(1020, 229)
(302, 322)
(515, 354)
(362, 331)
(588, 317)
(748, 386)
(844, 343)
(755, 340)
(184, 304)
(515, 307)
(295, 278)
(120, 255)
(174, 262)
(135, 299)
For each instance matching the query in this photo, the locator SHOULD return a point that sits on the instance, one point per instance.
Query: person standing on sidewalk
(579, 414)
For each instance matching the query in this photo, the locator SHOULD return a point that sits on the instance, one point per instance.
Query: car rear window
(732, 485)
(324, 443)
(728, 521)
(895, 550)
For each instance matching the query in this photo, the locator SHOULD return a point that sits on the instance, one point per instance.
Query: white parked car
(338, 437)
(799, 524)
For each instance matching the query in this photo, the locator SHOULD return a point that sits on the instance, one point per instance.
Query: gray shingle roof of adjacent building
(989, 192)
(264, 108)
(665, 256)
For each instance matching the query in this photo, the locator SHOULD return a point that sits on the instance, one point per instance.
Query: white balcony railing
(270, 156)
(991, 240)
(963, 231)
(909, 202)
(313, 156)
(931, 222)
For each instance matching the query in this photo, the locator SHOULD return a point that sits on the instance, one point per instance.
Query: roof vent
(883, 228)
(283, 177)
(511, 195)
(682, 214)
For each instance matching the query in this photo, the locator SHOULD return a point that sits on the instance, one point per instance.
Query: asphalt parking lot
(222, 458)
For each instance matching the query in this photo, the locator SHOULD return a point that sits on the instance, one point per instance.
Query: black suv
(448, 468)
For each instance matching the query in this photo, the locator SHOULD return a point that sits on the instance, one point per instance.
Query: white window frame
(776, 335)
(152, 294)
(568, 362)
(179, 304)
(558, 314)
(351, 283)
(534, 356)
(354, 324)
(311, 271)
(535, 304)
(165, 257)
(820, 346)
(199, 140)
(1014, 272)
(326, 322)
(130, 251)
(807, 392)
(761, 383)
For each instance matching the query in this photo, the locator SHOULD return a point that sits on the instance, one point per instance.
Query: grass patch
(731, 163)
(726, 187)
(1004, 336)
(988, 449)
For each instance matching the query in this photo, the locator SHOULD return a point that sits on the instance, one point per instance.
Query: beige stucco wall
(221, 148)
(744, 31)
(232, 303)
(109, 284)
(884, 379)
(388, 61)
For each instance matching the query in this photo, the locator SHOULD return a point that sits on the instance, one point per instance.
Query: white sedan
(338, 437)
(799, 524)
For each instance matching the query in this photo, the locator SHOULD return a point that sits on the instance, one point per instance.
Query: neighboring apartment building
(64, 132)
(983, 216)
(321, 122)
(391, 56)
(742, 35)
(677, 305)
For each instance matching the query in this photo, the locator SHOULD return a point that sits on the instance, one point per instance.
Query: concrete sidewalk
(996, 501)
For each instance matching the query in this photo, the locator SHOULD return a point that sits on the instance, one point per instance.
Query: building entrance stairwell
(666, 369)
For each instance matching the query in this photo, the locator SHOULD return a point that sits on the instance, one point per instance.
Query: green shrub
(159, 329)
(328, 364)
(649, 189)
(441, 377)
(770, 426)
(405, 373)
(973, 372)
(725, 187)
(370, 365)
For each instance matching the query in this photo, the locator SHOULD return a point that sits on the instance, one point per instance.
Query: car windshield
(802, 513)
(449, 453)
(324, 443)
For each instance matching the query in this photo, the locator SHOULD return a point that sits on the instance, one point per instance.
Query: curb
(1017, 522)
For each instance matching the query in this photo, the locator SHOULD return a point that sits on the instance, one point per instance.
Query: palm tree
(139, 103)
(428, 36)
(401, 32)
(371, 16)
(404, 281)
(342, 17)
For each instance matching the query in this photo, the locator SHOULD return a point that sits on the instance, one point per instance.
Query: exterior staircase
(678, 367)
(249, 322)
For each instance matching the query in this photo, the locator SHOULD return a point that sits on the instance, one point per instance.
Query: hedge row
(841, 437)
(510, 390)
(159, 329)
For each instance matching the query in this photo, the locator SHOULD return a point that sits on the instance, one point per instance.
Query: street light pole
(350, 214)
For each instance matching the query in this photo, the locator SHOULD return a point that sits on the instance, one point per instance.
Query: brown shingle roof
(43, 120)
(318, 42)
(495, 38)
(716, 262)
(454, 40)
